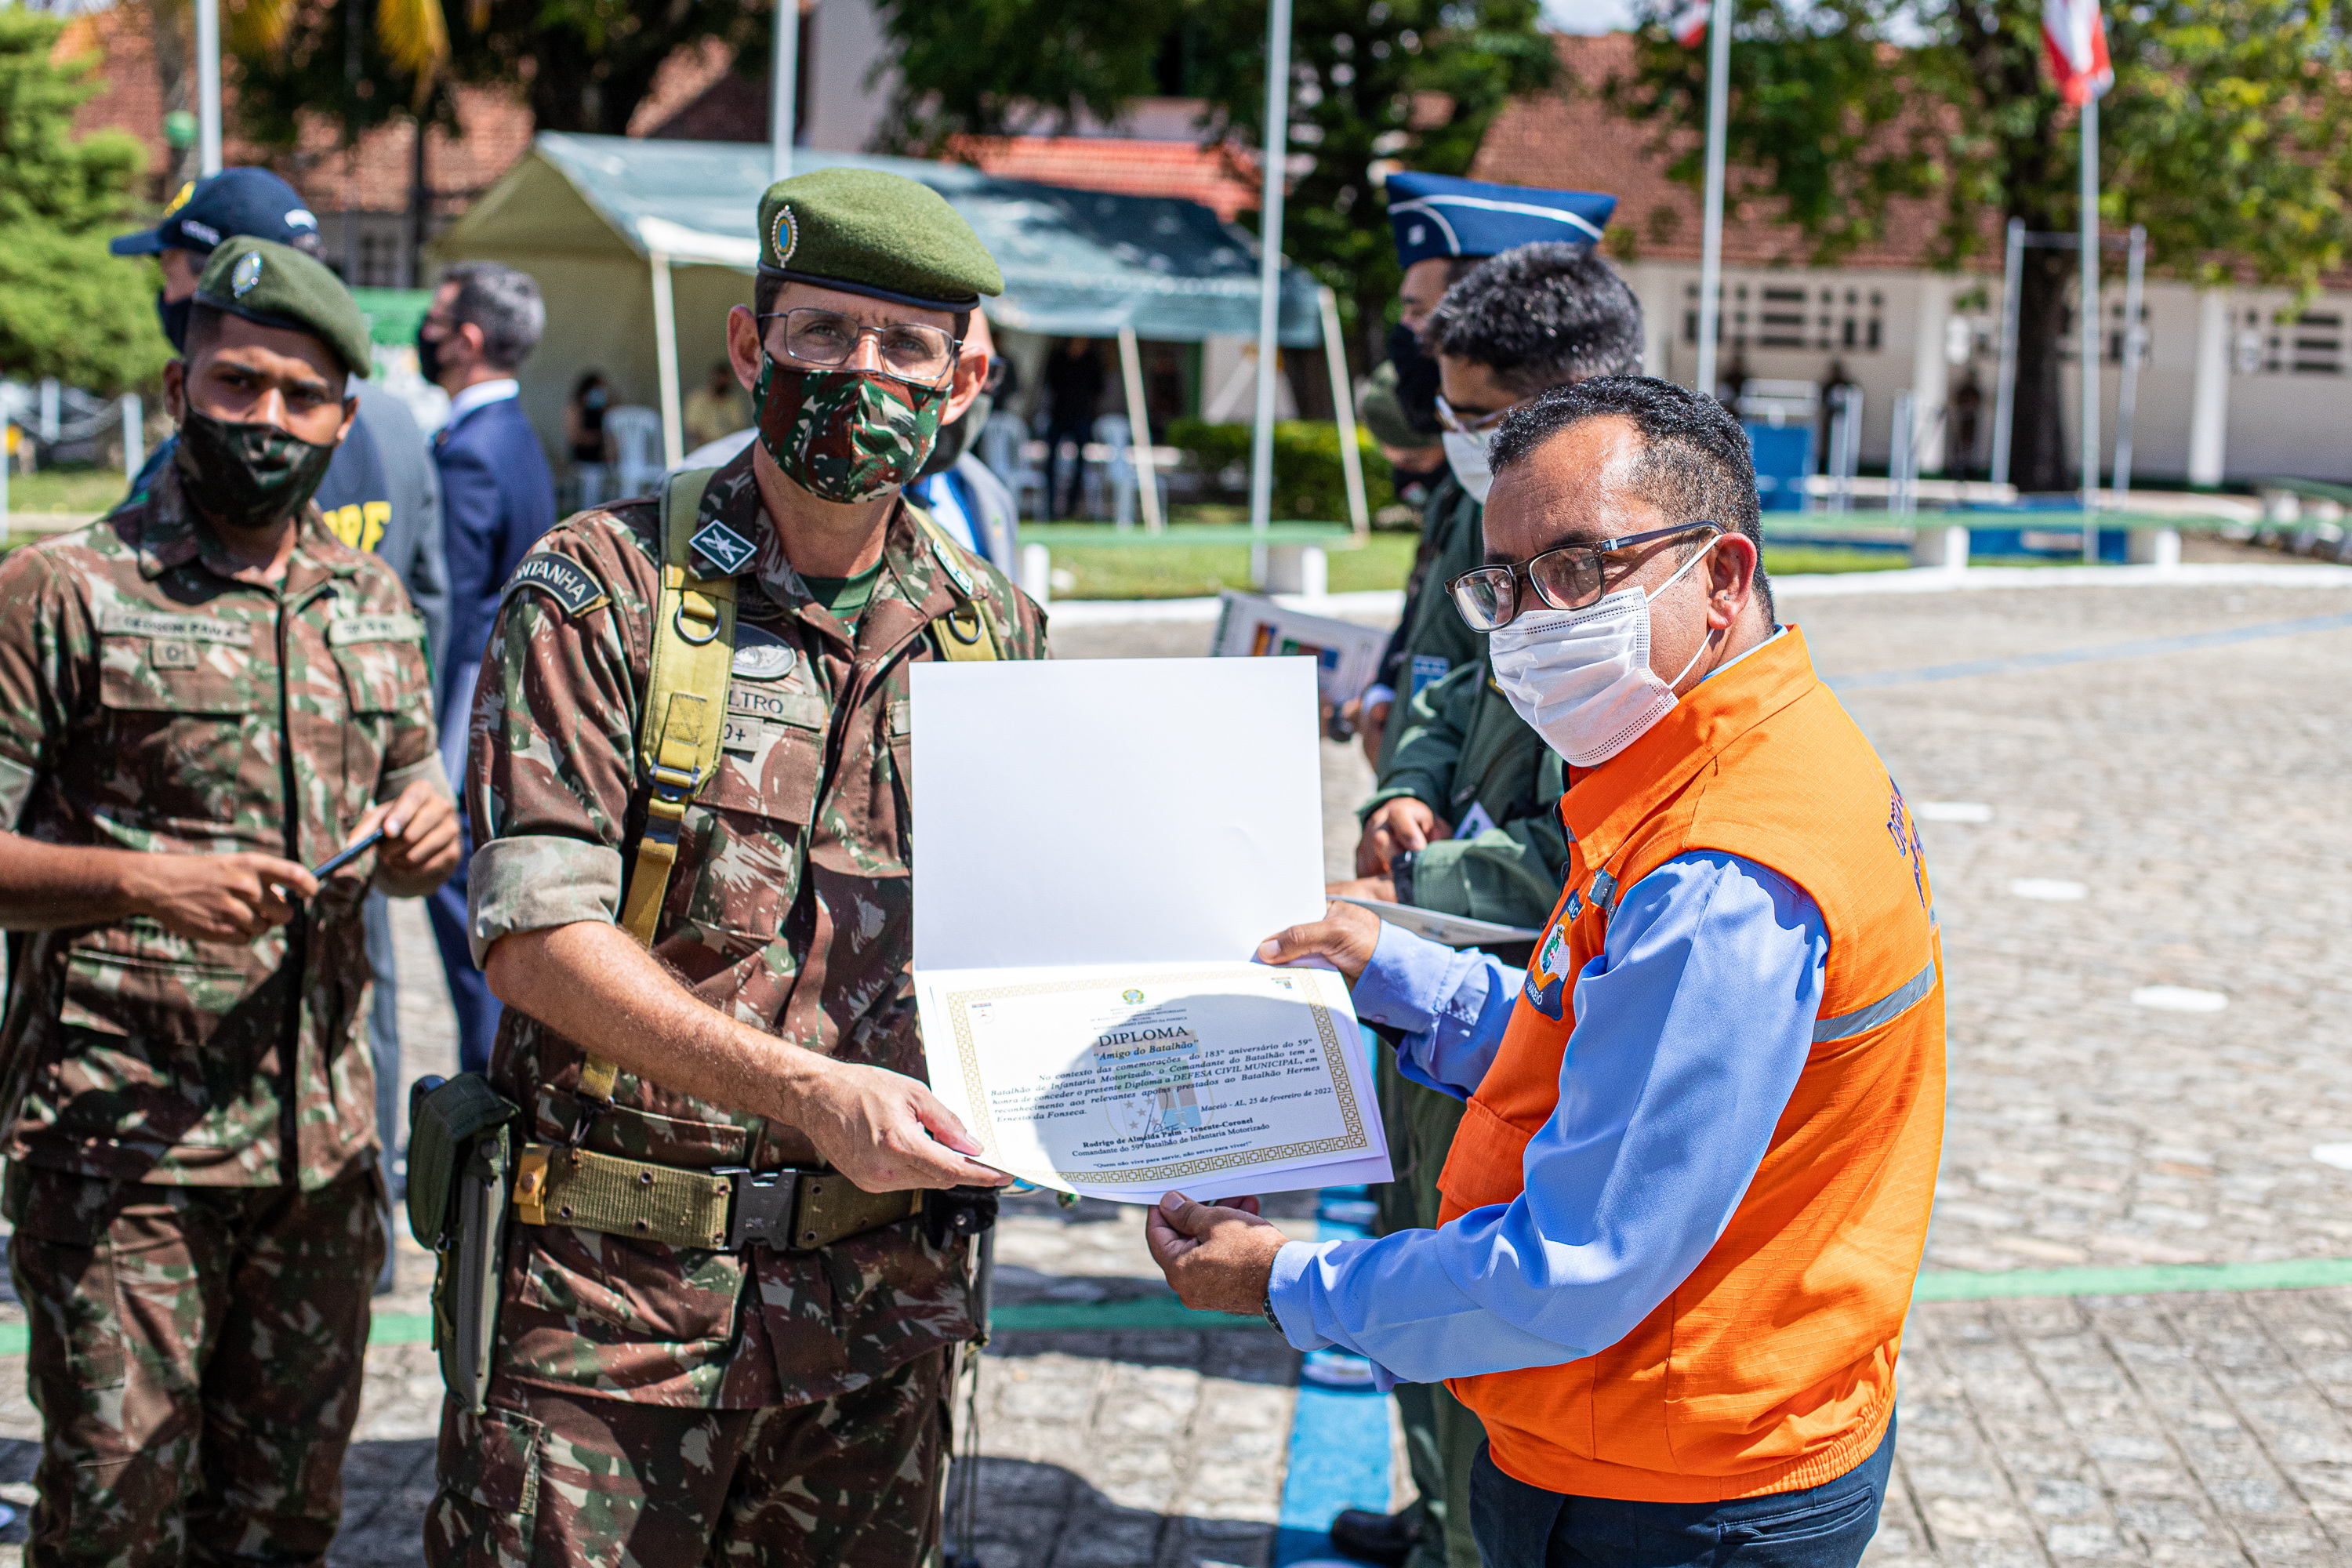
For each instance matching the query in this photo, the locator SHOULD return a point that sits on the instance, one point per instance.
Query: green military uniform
(1467, 755)
(655, 1402)
(1432, 641)
(192, 1145)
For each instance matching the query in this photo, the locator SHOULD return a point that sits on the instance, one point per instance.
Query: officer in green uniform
(728, 1309)
(1465, 818)
(201, 694)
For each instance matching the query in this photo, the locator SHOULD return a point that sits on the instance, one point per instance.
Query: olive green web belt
(790, 1210)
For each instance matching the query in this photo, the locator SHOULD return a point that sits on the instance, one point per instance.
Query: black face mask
(1417, 384)
(247, 475)
(1413, 485)
(173, 314)
(957, 437)
(428, 357)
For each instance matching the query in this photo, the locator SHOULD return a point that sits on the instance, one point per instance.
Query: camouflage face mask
(248, 475)
(846, 435)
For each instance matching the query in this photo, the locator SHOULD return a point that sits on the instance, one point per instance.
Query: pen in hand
(349, 853)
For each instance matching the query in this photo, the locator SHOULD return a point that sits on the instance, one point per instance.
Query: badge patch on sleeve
(561, 578)
(723, 547)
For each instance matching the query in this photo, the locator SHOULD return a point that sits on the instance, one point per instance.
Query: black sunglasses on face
(1568, 578)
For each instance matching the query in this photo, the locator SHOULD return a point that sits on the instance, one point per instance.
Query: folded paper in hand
(1102, 845)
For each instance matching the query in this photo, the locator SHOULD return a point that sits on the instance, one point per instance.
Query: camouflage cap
(876, 234)
(276, 286)
(1381, 413)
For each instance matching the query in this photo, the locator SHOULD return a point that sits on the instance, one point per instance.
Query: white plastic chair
(637, 436)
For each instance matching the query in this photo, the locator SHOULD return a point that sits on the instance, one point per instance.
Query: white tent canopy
(640, 247)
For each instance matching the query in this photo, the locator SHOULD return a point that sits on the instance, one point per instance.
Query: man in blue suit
(497, 499)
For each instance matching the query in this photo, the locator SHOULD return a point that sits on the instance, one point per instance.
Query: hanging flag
(2076, 38)
(1689, 25)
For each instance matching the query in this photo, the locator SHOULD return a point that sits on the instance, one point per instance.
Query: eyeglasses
(907, 350)
(1468, 424)
(1568, 578)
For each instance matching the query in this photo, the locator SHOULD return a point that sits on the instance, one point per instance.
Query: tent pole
(1139, 428)
(666, 357)
(2127, 394)
(2088, 336)
(783, 87)
(1270, 273)
(208, 99)
(1710, 263)
(1343, 409)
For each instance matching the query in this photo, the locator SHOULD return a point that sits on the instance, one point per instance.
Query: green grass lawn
(1384, 561)
(66, 489)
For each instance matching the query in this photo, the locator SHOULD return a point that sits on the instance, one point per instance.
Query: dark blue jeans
(1827, 1526)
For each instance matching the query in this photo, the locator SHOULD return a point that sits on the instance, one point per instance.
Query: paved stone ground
(2191, 795)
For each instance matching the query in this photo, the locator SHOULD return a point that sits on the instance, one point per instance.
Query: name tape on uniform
(122, 620)
(348, 629)
(802, 709)
(561, 578)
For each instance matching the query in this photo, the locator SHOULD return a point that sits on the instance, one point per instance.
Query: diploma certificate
(1122, 1082)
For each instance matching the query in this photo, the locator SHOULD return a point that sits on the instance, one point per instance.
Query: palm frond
(413, 33)
(260, 26)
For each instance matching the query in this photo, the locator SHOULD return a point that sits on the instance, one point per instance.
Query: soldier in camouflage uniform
(663, 1404)
(199, 694)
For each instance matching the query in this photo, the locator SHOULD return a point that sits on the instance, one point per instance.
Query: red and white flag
(1689, 23)
(2076, 38)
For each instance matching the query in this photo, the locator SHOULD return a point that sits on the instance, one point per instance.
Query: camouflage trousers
(197, 1356)
(547, 1479)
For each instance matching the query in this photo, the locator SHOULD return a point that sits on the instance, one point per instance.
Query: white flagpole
(783, 87)
(1710, 264)
(2087, 334)
(1269, 272)
(208, 99)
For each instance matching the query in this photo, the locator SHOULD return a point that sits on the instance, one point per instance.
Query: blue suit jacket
(497, 499)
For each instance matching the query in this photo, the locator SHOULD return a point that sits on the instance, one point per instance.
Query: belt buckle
(761, 1214)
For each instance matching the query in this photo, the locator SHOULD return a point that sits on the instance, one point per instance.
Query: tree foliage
(2228, 134)
(1375, 84)
(67, 308)
(582, 65)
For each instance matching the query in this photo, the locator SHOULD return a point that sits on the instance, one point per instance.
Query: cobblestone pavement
(2165, 820)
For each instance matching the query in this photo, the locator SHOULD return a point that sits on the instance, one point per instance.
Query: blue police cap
(251, 201)
(1437, 214)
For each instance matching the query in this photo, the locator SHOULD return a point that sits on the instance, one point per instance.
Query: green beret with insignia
(871, 233)
(276, 286)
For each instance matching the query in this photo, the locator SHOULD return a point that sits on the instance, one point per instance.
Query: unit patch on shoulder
(561, 578)
(723, 547)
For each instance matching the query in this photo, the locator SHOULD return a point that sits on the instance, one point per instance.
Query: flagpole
(208, 93)
(1269, 276)
(2087, 333)
(1710, 263)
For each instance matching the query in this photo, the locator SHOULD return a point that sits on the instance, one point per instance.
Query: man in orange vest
(1687, 1204)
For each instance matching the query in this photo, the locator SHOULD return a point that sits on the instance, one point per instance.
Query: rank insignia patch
(723, 547)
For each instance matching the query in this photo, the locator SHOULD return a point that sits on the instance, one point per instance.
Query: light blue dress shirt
(1692, 1026)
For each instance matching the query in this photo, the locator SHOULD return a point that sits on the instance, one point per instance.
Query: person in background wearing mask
(201, 694)
(750, 1402)
(1445, 227)
(497, 498)
(586, 439)
(1416, 460)
(963, 494)
(381, 494)
(1074, 387)
(1685, 1209)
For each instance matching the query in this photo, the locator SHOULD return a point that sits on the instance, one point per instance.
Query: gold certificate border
(1334, 1057)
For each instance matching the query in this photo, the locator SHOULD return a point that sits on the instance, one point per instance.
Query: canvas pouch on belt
(461, 1169)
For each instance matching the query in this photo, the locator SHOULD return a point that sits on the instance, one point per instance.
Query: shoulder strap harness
(686, 709)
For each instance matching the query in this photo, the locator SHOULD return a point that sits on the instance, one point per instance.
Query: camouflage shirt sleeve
(46, 667)
(553, 761)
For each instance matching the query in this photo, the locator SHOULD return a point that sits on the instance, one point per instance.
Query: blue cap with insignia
(252, 202)
(1439, 216)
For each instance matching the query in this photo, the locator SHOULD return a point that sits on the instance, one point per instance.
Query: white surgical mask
(1466, 454)
(1582, 678)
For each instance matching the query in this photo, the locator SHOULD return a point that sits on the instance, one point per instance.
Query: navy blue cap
(252, 202)
(1439, 216)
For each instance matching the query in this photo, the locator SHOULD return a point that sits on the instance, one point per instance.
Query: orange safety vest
(1771, 1368)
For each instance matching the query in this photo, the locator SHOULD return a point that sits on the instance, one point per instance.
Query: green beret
(876, 233)
(278, 286)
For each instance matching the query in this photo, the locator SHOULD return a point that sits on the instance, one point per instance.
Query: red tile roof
(1120, 166)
